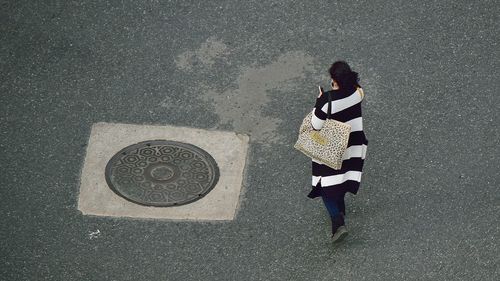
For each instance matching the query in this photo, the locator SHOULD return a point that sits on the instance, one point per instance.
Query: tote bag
(326, 145)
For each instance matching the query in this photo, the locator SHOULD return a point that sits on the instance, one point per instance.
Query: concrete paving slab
(227, 148)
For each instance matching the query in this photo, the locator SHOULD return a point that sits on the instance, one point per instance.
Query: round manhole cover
(162, 173)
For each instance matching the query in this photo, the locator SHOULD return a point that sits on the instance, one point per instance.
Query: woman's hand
(320, 91)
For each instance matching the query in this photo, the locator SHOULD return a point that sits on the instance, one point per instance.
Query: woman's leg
(331, 206)
(333, 209)
(341, 204)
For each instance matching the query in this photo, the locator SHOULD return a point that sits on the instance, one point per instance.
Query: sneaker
(340, 234)
(337, 222)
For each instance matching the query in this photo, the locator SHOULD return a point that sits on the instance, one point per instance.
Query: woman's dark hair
(341, 72)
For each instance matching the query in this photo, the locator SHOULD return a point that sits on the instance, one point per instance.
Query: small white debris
(94, 234)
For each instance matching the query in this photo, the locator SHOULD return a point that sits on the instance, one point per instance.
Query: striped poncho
(345, 107)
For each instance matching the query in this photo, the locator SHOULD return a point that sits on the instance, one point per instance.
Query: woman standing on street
(331, 184)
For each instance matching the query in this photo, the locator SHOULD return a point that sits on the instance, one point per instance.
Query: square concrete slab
(228, 149)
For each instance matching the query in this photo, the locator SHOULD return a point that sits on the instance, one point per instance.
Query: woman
(331, 184)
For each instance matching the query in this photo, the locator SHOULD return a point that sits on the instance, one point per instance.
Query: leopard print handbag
(326, 145)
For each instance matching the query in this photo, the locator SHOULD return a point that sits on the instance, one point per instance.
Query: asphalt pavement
(428, 206)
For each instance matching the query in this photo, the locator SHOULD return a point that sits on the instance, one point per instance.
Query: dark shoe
(337, 222)
(340, 234)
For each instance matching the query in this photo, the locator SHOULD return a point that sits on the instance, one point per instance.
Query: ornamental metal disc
(162, 173)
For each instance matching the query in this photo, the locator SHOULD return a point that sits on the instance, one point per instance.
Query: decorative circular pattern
(162, 173)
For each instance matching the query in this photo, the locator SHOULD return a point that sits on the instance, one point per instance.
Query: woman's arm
(319, 116)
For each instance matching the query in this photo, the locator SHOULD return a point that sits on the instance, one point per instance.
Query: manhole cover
(162, 173)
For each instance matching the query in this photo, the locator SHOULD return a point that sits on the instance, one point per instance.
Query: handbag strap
(329, 111)
(361, 92)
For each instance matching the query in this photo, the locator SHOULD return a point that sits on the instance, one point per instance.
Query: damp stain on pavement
(242, 107)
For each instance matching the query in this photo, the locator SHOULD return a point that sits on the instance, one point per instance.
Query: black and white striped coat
(345, 107)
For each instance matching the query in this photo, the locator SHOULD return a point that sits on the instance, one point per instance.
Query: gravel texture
(428, 207)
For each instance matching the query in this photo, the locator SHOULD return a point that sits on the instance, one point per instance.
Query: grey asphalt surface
(428, 208)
